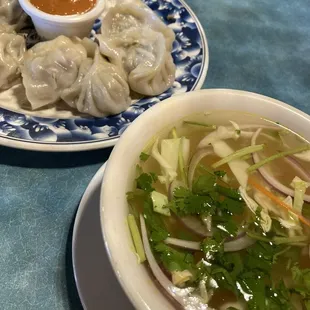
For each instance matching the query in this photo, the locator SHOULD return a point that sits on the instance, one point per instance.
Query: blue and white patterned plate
(60, 130)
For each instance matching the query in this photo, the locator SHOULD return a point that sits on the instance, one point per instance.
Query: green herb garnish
(144, 157)
(145, 181)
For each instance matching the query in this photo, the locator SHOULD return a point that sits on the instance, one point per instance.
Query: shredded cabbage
(268, 204)
(169, 173)
(221, 133)
(266, 220)
(169, 151)
(238, 166)
(300, 188)
(179, 278)
(304, 156)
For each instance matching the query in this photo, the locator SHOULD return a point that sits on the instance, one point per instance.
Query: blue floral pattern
(188, 54)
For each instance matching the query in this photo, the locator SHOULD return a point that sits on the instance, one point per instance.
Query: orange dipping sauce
(64, 7)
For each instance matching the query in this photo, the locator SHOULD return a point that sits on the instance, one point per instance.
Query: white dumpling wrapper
(144, 58)
(12, 13)
(121, 15)
(135, 39)
(100, 89)
(49, 68)
(12, 50)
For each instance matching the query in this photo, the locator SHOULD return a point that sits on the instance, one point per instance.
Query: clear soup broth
(221, 203)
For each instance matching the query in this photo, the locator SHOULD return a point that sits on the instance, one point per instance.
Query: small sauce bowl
(50, 26)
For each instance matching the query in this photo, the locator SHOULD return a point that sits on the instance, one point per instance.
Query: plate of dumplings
(74, 94)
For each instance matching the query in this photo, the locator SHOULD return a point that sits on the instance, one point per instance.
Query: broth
(249, 256)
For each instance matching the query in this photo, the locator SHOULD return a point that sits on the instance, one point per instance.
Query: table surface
(260, 46)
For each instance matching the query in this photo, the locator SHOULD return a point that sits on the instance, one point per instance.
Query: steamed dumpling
(12, 49)
(99, 90)
(73, 70)
(144, 58)
(135, 39)
(49, 68)
(11, 12)
(121, 15)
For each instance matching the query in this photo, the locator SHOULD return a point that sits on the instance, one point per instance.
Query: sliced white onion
(207, 221)
(185, 150)
(238, 244)
(196, 225)
(240, 234)
(185, 244)
(221, 133)
(197, 157)
(181, 295)
(268, 177)
(304, 174)
(204, 293)
(236, 305)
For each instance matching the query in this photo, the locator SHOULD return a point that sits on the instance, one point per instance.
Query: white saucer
(96, 282)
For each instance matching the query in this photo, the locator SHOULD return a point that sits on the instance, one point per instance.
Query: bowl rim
(33, 11)
(134, 295)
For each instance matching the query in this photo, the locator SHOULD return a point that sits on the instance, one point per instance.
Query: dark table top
(260, 46)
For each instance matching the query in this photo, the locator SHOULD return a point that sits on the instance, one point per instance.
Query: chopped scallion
(276, 156)
(290, 240)
(136, 237)
(238, 154)
(200, 124)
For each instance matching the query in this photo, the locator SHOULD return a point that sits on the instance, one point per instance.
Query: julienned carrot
(278, 201)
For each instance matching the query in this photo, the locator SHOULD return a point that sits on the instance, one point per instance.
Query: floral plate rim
(74, 146)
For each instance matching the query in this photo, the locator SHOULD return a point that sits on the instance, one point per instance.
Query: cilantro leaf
(278, 298)
(210, 247)
(223, 278)
(233, 206)
(187, 203)
(229, 192)
(145, 181)
(135, 200)
(154, 222)
(253, 283)
(204, 184)
(175, 260)
(220, 173)
(232, 262)
(181, 192)
(260, 256)
(301, 278)
(144, 157)
(226, 226)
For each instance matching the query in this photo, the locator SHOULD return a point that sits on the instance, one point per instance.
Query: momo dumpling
(72, 70)
(150, 65)
(99, 90)
(12, 50)
(135, 39)
(122, 15)
(144, 58)
(49, 68)
(10, 11)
